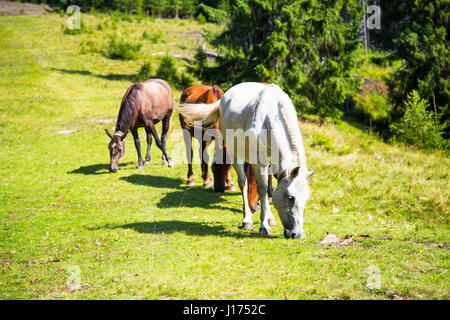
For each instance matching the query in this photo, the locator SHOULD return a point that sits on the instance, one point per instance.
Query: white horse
(265, 114)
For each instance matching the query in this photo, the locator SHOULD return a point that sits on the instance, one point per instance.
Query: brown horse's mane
(128, 108)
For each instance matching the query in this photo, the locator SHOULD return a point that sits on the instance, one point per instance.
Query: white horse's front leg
(267, 218)
(243, 185)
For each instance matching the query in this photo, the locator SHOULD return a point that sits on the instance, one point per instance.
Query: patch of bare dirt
(10, 8)
(374, 85)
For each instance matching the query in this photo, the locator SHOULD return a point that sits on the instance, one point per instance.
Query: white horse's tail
(206, 114)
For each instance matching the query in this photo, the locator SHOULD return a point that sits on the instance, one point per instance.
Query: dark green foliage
(201, 18)
(422, 44)
(168, 72)
(220, 15)
(418, 126)
(303, 46)
(122, 50)
(146, 72)
(158, 8)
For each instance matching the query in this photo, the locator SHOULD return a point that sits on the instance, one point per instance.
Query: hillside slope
(146, 234)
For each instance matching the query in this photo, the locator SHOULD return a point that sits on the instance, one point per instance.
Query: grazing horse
(143, 105)
(267, 116)
(221, 170)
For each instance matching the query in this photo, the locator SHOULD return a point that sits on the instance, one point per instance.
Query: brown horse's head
(116, 149)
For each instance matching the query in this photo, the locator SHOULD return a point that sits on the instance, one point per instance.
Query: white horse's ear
(294, 173)
(309, 174)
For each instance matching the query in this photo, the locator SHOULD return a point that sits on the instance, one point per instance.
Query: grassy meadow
(145, 234)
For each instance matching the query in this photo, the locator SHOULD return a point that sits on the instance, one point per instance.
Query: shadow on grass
(101, 168)
(127, 77)
(189, 228)
(153, 181)
(185, 196)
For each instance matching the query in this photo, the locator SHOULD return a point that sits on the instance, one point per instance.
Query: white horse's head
(289, 198)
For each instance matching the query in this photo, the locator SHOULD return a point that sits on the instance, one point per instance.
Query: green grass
(146, 235)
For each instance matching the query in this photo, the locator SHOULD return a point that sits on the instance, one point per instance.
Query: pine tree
(423, 46)
(304, 46)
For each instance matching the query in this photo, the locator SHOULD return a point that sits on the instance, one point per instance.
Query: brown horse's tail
(207, 114)
(252, 192)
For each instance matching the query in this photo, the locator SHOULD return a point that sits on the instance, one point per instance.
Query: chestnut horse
(143, 105)
(207, 95)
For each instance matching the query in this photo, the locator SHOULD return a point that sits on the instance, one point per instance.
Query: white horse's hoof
(266, 232)
(247, 225)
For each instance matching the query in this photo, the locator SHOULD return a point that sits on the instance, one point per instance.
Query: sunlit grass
(145, 234)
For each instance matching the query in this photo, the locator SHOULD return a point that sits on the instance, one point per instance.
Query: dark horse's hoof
(138, 167)
(146, 163)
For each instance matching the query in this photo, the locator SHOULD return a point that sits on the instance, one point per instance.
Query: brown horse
(143, 105)
(207, 95)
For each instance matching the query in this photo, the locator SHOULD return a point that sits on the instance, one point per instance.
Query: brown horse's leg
(152, 128)
(149, 145)
(137, 144)
(230, 184)
(207, 181)
(187, 136)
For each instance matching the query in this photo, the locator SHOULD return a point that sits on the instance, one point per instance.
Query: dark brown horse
(207, 95)
(143, 105)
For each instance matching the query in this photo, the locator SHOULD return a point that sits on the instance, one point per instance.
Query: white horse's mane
(294, 136)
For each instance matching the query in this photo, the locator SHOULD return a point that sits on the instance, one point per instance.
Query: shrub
(127, 17)
(153, 37)
(201, 18)
(418, 126)
(323, 141)
(145, 73)
(123, 50)
(185, 81)
(82, 29)
(89, 47)
(167, 71)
